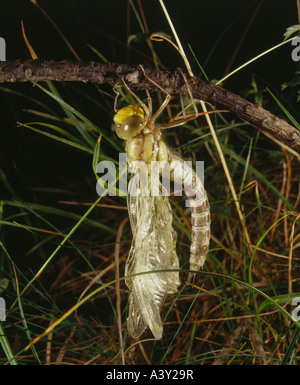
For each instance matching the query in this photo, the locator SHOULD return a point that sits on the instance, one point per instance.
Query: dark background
(38, 170)
(206, 25)
(213, 28)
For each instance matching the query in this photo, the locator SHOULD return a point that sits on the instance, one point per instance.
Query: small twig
(140, 345)
(256, 343)
(222, 356)
(172, 82)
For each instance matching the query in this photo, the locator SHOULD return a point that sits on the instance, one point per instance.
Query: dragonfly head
(129, 121)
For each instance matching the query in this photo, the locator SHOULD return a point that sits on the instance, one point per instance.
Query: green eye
(132, 125)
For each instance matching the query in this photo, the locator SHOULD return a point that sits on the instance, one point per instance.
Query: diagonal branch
(112, 73)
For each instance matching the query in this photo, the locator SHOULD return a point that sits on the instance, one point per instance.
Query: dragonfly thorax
(143, 137)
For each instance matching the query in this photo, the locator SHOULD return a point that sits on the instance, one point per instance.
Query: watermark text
(296, 310)
(149, 177)
(296, 51)
(2, 309)
(2, 49)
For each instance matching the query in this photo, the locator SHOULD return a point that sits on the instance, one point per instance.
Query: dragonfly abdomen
(200, 221)
(200, 210)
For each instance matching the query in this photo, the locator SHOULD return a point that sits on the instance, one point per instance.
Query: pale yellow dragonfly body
(154, 239)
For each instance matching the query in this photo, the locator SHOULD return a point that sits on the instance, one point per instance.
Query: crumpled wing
(135, 322)
(153, 248)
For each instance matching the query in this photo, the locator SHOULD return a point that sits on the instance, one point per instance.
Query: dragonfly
(152, 265)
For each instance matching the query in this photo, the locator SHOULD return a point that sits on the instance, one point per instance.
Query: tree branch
(112, 73)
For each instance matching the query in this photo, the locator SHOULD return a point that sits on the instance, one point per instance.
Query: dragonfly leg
(149, 102)
(166, 101)
(143, 105)
(116, 99)
(174, 122)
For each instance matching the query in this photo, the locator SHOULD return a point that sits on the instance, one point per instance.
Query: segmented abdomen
(200, 209)
(200, 219)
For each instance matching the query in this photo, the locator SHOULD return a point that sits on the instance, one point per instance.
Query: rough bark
(112, 73)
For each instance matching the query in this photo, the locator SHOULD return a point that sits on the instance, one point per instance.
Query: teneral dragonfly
(154, 239)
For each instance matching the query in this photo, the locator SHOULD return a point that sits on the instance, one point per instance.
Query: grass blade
(6, 346)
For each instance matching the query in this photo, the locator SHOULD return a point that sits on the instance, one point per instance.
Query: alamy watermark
(296, 51)
(296, 310)
(2, 49)
(149, 176)
(2, 309)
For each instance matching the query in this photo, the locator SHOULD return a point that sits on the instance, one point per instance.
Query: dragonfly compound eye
(132, 125)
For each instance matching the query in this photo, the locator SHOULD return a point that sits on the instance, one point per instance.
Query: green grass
(58, 241)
